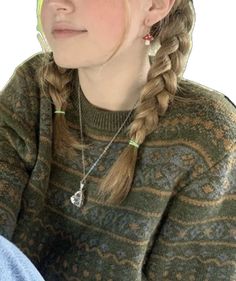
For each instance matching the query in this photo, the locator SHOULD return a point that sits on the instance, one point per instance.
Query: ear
(157, 10)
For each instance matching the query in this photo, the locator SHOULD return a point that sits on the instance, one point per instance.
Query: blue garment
(14, 265)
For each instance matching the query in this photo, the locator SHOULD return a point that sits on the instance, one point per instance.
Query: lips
(63, 34)
(66, 27)
(68, 30)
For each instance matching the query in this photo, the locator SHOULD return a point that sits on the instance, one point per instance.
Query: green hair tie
(135, 144)
(59, 111)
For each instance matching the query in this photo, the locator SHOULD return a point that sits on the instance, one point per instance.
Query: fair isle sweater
(178, 221)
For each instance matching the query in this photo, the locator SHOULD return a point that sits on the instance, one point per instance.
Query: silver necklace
(78, 198)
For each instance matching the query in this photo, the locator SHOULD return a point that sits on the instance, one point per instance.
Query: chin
(64, 61)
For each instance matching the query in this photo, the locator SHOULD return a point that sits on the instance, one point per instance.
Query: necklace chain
(78, 198)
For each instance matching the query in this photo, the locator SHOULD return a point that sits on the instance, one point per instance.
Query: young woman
(113, 166)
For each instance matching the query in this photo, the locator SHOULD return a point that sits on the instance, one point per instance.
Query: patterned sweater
(179, 219)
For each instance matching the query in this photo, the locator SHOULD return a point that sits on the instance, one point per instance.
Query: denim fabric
(14, 265)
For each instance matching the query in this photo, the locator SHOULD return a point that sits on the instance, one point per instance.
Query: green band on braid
(59, 111)
(135, 144)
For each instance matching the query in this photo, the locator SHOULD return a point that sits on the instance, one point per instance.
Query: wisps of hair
(173, 34)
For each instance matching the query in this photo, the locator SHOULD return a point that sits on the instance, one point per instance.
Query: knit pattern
(177, 223)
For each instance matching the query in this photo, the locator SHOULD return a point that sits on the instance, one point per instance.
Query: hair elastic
(135, 144)
(59, 111)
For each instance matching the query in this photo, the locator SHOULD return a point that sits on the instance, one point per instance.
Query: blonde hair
(173, 33)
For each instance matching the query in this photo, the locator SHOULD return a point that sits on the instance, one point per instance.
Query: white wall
(211, 62)
(213, 58)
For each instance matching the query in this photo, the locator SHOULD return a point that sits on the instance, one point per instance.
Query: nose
(60, 6)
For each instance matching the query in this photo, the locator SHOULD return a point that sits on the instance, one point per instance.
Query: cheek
(106, 18)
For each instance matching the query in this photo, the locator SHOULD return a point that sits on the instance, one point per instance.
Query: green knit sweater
(179, 219)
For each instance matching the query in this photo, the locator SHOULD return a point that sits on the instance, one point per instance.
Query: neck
(117, 86)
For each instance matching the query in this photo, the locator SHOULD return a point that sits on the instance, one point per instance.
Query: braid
(56, 83)
(166, 71)
(167, 67)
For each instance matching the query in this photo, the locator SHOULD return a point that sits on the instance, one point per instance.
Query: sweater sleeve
(17, 146)
(196, 239)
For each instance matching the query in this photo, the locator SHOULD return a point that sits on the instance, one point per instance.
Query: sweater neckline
(96, 119)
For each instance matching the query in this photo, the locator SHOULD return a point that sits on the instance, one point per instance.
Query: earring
(148, 38)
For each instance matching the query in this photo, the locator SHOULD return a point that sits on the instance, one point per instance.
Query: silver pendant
(78, 198)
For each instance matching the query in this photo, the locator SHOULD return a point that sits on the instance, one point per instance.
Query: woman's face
(104, 21)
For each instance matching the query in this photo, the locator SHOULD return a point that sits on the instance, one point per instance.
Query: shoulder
(196, 91)
(212, 108)
(20, 96)
(205, 121)
(27, 70)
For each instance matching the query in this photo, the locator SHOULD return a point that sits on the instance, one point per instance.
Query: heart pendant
(78, 198)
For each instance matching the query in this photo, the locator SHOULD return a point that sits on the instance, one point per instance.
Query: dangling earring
(148, 38)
